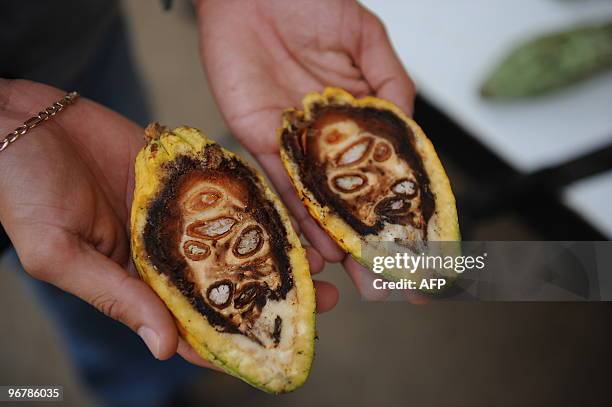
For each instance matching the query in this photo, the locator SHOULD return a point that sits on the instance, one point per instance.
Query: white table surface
(450, 46)
(591, 198)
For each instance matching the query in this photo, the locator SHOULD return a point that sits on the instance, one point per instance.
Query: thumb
(381, 67)
(101, 282)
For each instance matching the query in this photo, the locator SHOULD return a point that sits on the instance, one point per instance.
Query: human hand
(67, 189)
(263, 56)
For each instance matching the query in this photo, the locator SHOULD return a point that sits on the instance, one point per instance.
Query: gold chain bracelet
(34, 121)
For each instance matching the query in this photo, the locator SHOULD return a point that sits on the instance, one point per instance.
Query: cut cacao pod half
(218, 248)
(366, 172)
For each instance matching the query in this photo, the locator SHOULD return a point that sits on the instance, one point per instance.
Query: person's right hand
(263, 56)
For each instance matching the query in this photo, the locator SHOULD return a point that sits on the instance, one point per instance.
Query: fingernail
(151, 339)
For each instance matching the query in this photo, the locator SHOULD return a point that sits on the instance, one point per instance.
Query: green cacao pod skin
(552, 62)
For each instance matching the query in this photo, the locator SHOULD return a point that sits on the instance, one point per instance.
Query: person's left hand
(67, 190)
(262, 57)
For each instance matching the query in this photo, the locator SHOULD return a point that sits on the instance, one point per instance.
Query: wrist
(37, 119)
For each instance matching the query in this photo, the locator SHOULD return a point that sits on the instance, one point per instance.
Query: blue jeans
(111, 360)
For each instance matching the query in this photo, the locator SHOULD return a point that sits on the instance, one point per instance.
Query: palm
(273, 64)
(83, 189)
(261, 57)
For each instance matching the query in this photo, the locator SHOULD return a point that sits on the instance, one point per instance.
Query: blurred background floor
(368, 353)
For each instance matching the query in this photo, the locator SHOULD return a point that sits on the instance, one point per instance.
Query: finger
(363, 279)
(315, 260)
(296, 226)
(316, 236)
(191, 356)
(326, 295)
(381, 67)
(416, 298)
(77, 268)
(336, 69)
